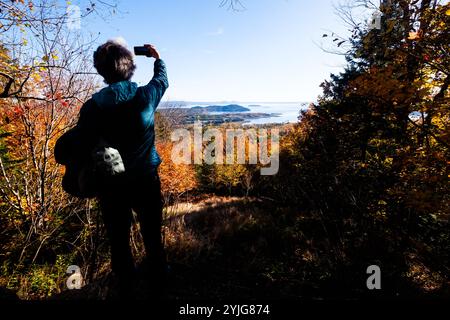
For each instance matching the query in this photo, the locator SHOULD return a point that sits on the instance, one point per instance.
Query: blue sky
(267, 52)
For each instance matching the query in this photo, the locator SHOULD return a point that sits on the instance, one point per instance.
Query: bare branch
(235, 5)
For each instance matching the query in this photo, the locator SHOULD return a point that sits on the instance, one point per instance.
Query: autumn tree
(46, 75)
(370, 159)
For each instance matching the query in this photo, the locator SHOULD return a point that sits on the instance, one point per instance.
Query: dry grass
(222, 247)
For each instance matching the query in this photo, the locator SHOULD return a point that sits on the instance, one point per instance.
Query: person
(123, 115)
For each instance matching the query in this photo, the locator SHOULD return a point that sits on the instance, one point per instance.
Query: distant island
(227, 108)
(208, 114)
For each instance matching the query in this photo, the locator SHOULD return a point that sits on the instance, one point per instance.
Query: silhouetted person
(123, 115)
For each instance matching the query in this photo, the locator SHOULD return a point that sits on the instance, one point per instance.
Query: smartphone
(141, 51)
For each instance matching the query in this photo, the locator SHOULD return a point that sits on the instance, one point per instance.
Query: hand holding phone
(147, 50)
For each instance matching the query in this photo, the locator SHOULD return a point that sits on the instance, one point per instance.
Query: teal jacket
(123, 114)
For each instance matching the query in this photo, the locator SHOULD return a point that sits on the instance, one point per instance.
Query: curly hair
(114, 62)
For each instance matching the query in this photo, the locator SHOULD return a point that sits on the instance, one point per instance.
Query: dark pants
(119, 196)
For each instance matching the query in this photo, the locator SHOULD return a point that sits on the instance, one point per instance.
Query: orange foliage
(176, 179)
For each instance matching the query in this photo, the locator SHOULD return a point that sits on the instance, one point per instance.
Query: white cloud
(220, 31)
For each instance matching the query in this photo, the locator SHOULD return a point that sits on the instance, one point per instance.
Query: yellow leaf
(413, 35)
(447, 12)
(37, 77)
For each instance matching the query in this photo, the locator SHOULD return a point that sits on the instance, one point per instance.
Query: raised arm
(155, 89)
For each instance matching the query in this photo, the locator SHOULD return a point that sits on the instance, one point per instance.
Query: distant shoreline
(217, 113)
(248, 103)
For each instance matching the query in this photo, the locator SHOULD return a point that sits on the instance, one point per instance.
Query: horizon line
(233, 101)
